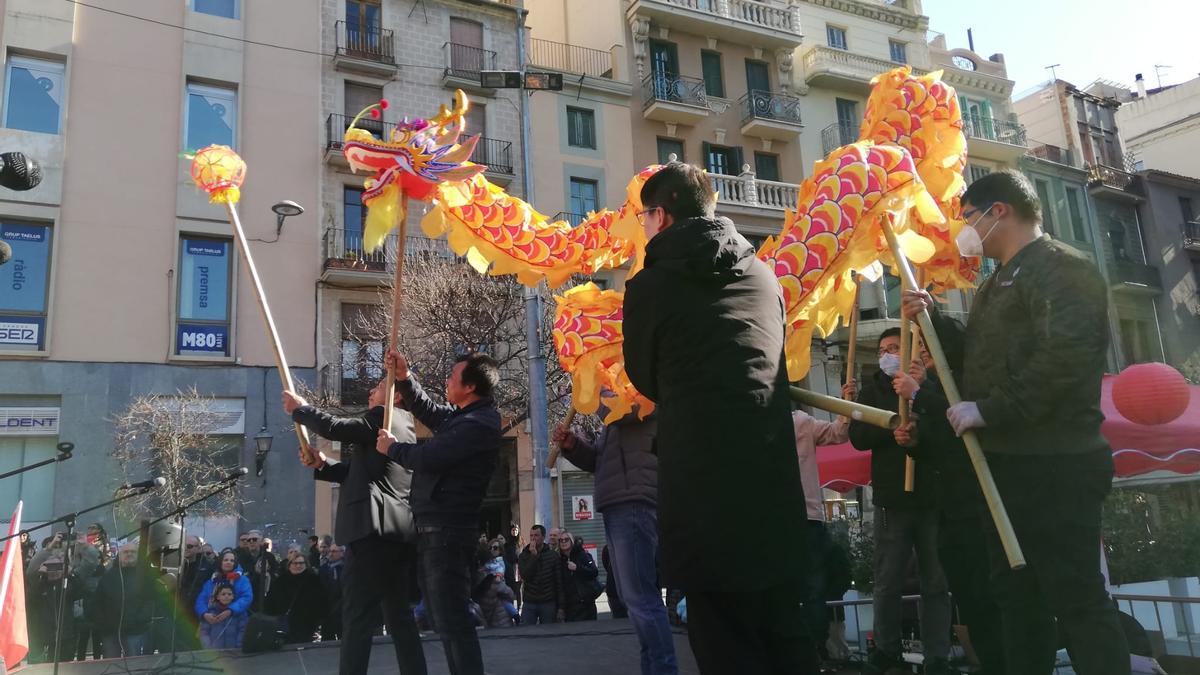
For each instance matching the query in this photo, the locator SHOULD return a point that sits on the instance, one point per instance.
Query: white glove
(964, 416)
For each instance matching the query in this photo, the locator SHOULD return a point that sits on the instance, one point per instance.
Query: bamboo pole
(910, 464)
(285, 374)
(1008, 538)
(552, 460)
(397, 304)
(852, 347)
(885, 419)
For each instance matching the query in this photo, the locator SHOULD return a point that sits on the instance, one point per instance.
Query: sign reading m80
(201, 340)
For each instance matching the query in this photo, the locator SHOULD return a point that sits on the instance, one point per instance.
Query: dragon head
(419, 154)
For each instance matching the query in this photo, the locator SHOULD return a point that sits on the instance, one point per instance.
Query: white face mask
(889, 364)
(970, 244)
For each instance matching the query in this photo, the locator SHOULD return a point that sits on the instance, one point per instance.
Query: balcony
(1112, 182)
(497, 156)
(464, 63)
(1053, 153)
(746, 191)
(1191, 236)
(743, 22)
(770, 115)
(574, 219)
(368, 51)
(674, 98)
(345, 261)
(335, 130)
(997, 140)
(1128, 275)
(836, 135)
(845, 70)
(573, 59)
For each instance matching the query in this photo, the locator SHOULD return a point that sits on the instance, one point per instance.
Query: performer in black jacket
(375, 524)
(451, 472)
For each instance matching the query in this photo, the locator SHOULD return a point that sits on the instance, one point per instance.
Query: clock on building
(963, 63)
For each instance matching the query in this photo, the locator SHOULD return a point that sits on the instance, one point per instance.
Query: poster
(581, 507)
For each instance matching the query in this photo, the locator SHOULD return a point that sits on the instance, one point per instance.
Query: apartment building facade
(125, 280)
(414, 55)
(1161, 127)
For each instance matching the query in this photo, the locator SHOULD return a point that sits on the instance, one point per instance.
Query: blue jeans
(533, 613)
(632, 532)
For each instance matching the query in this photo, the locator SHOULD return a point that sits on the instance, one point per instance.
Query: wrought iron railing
(337, 123)
(344, 249)
(991, 129)
(1191, 235)
(495, 154)
(570, 58)
(369, 44)
(836, 135)
(575, 219)
(1053, 153)
(673, 89)
(1136, 273)
(1100, 174)
(766, 105)
(466, 61)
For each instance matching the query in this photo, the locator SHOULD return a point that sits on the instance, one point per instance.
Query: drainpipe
(538, 413)
(1137, 218)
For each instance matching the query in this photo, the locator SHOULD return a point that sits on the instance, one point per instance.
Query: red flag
(14, 634)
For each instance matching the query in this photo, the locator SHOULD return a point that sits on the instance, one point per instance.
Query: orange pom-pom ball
(1150, 393)
(219, 171)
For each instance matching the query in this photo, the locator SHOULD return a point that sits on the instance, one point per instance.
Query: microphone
(151, 483)
(5, 252)
(18, 172)
(236, 474)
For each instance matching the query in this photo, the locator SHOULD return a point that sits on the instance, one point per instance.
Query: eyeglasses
(968, 215)
(642, 214)
(890, 349)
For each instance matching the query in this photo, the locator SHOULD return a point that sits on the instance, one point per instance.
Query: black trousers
(447, 565)
(1054, 502)
(962, 548)
(817, 614)
(751, 633)
(379, 574)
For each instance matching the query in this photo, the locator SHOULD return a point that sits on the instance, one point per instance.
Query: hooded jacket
(704, 339)
(623, 461)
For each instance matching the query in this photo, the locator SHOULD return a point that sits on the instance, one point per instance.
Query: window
(1136, 341)
(584, 194)
(668, 147)
(35, 488)
(836, 37)
(362, 353)
(358, 97)
(714, 80)
(211, 117)
(898, 51)
(225, 8)
(581, 128)
(202, 316)
(848, 120)
(977, 117)
(977, 172)
(24, 284)
(766, 166)
(1075, 208)
(1043, 193)
(363, 23)
(722, 160)
(758, 76)
(1185, 208)
(467, 57)
(354, 218)
(34, 96)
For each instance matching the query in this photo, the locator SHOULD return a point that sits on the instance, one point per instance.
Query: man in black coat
(704, 339)
(905, 522)
(451, 472)
(375, 523)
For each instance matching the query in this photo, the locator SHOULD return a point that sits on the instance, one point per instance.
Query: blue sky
(1107, 39)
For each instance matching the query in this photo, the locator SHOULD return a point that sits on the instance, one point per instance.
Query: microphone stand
(69, 520)
(64, 450)
(181, 512)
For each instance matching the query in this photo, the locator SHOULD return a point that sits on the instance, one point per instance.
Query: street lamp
(262, 444)
(285, 209)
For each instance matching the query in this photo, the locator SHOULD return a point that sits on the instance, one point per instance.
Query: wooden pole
(1008, 538)
(852, 348)
(552, 460)
(914, 350)
(397, 304)
(285, 374)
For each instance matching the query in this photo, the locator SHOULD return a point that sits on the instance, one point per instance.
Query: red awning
(1137, 449)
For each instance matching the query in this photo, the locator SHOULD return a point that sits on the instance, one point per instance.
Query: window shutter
(706, 151)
